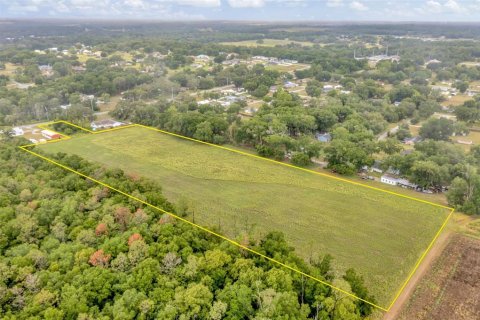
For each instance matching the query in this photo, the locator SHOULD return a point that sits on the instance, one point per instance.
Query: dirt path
(427, 262)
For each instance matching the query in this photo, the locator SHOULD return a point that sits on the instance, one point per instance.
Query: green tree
(437, 129)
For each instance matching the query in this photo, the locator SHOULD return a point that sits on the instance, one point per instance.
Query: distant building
(196, 65)
(411, 141)
(394, 181)
(86, 97)
(288, 61)
(203, 57)
(323, 137)
(79, 69)
(327, 88)
(46, 70)
(231, 62)
(203, 102)
(472, 93)
(50, 134)
(433, 61)
(105, 124)
(389, 180)
(16, 132)
(289, 84)
(376, 167)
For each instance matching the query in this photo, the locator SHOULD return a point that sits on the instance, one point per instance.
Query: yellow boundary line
(421, 259)
(65, 137)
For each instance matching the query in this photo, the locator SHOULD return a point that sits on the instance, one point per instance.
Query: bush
(301, 159)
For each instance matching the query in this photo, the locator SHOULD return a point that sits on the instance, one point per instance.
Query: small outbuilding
(50, 134)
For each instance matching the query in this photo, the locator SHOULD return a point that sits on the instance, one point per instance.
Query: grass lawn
(9, 69)
(457, 100)
(378, 234)
(111, 104)
(415, 129)
(473, 136)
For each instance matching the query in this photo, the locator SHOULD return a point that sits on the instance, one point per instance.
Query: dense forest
(71, 249)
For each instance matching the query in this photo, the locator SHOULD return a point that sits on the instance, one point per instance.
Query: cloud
(246, 3)
(135, 3)
(450, 6)
(357, 5)
(335, 3)
(263, 3)
(453, 6)
(197, 3)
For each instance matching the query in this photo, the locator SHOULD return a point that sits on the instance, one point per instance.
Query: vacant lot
(379, 234)
(451, 289)
(287, 68)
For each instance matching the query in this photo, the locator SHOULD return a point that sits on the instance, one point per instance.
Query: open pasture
(379, 234)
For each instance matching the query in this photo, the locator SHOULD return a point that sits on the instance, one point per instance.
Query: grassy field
(457, 100)
(379, 234)
(9, 69)
(267, 43)
(287, 68)
(473, 136)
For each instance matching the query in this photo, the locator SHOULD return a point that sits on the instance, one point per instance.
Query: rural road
(384, 135)
(427, 262)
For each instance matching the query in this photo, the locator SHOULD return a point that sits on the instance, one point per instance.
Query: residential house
(401, 182)
(389, 180)
(105, 124)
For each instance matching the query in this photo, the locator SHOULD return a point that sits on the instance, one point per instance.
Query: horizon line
(206, 20)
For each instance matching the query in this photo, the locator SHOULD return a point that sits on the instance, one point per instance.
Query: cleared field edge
(386, 309)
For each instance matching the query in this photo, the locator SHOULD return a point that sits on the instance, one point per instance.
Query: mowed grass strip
(379, 234)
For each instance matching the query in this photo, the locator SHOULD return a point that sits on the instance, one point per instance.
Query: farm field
(379, 234)
(451, 288)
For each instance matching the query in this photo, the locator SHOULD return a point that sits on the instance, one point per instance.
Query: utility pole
(46, 111)
(91, 103)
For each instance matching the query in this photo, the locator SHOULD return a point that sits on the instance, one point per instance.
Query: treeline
(72, 249)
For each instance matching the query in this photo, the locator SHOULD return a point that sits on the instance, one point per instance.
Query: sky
(264, 10)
